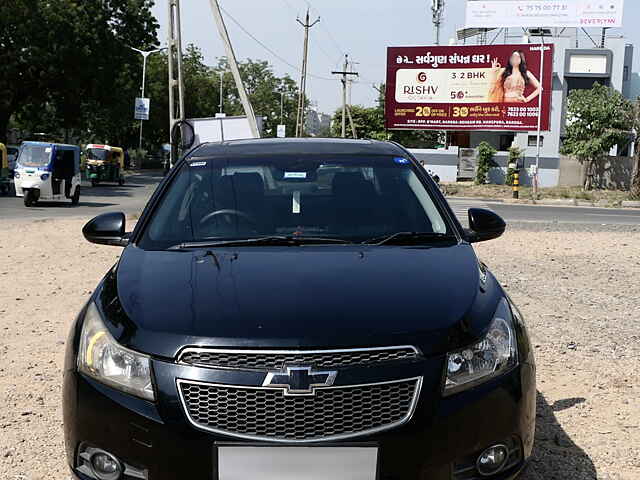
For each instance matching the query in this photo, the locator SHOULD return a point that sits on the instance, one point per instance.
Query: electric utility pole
(350, 81)
(303, 77)
(345, 73)
(437, 10)
(174, 46)
(233, 65)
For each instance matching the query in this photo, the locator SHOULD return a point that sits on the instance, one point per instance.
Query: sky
(360, 28)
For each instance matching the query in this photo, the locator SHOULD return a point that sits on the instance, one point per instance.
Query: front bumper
(158, 437)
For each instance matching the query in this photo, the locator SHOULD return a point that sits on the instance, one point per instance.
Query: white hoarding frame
(543, 13)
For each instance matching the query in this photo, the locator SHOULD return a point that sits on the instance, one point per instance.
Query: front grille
(269, 360)
(267, 414)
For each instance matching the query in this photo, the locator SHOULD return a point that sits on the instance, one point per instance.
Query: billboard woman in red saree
(509, 84)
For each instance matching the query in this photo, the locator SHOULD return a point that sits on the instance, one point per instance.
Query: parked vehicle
(47, 171)
(5, 173)
(287, 293)
(104, 164)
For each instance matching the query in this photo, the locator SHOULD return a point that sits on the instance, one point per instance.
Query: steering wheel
(228, 211)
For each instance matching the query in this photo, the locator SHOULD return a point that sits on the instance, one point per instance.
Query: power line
(326, 30)
(316, 45)
(283, 60)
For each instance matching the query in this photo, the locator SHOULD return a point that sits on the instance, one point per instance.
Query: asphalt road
(549, 214)
(129, 198)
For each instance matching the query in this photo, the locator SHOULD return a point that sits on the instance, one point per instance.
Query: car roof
(296, 146)
(66, 145)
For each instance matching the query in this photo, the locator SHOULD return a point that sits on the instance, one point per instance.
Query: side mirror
(107, 229)
(484, 225)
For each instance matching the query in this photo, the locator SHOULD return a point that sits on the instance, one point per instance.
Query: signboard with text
(480, 87)
(544, 13)
(141, 111)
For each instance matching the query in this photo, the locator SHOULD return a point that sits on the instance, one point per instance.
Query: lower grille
(332, 413)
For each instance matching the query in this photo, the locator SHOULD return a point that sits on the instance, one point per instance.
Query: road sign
(544, 13)
(282, 131)
(141, 111)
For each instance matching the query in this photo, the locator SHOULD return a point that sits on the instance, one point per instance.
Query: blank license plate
(297, 463)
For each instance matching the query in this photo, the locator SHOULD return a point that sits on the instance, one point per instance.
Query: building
(579, 61)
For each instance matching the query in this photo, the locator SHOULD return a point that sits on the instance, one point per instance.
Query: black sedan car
(298, 309)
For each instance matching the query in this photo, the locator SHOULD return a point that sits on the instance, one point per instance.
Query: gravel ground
(577, 286)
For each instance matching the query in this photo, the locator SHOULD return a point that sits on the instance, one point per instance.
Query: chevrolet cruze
(298, 309)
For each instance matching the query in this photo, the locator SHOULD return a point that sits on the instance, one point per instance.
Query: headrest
(240, 184)
(352, 183)
(248, 183)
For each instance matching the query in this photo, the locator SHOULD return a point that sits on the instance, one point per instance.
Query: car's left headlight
(494, 355)
(105, 360)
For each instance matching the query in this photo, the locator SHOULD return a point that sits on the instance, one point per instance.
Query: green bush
(485, 161)
(515, 153)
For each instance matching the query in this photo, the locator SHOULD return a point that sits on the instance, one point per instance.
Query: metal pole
(303, 78)
(179, 55)
(344, 98)
(144, 75)
(282, 108)
(220, 106)
(170, 58)
(536, 176)
(235, 71)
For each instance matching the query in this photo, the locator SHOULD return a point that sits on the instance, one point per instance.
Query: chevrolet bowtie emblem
(299, 380)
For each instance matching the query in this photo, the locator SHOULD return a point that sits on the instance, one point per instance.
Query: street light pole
(145, 55)
(221, 105)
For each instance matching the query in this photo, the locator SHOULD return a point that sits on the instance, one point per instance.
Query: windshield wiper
(410, 238)
(275, 240)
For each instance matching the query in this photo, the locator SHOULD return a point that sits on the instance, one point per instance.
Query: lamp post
(220, 107)
(144, 54)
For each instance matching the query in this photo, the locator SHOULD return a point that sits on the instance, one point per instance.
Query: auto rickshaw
(47, 171)
(104, 164)
(5, 178)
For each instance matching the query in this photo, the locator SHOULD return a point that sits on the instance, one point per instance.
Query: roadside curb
(558, 202)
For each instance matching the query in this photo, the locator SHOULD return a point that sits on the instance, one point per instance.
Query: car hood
(434, 298)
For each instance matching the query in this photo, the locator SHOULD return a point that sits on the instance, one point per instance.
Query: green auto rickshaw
(104, 163)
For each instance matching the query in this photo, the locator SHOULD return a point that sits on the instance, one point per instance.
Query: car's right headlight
(494, 355)
(108, 362)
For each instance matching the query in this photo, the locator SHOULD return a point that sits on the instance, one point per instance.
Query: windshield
(34, 155)
(354, 198)
(97, 154)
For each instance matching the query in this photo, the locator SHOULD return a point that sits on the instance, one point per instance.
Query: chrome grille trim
(402, 353)
(405, 418)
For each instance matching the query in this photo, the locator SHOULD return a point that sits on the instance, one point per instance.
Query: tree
(515, 154)
(369, 123)
(635, 177)
(598, 119)
(202, 93)
(66, 64)
(485, 162)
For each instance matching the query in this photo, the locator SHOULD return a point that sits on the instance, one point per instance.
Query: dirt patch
(577, 289)
(604, 198)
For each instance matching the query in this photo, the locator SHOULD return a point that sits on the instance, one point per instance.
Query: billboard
(544, 13)
(479, 87)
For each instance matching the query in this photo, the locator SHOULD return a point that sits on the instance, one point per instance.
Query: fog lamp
(492, 460)
(44, 176)
(105, 466)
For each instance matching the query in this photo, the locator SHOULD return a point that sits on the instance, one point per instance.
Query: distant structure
(580, 60)
(316, 122)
